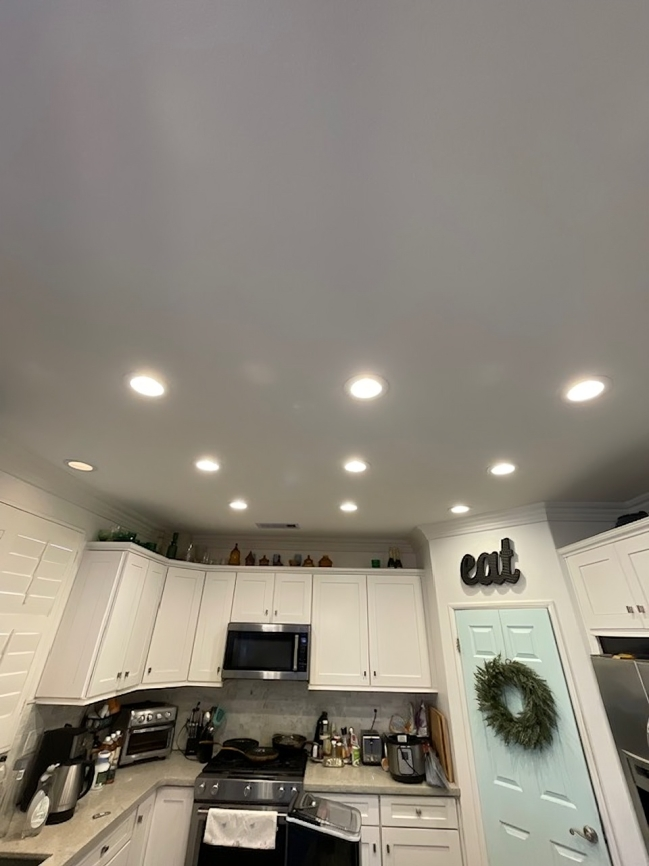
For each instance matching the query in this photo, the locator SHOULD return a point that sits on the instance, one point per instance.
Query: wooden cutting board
(441, 741)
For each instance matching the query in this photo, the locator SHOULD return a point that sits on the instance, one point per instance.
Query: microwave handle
(296, 644)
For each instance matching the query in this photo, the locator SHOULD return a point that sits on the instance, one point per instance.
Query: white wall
(542, 581)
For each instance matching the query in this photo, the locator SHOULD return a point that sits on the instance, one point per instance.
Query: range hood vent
(277, 525)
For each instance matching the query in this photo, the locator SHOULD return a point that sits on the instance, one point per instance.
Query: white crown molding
(584, 512)
(31, 469)
(486, 522)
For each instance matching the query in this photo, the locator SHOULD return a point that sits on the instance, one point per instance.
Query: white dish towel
(241, 828)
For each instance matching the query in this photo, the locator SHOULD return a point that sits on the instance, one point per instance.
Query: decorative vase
(325, 562)
(235, 556)
(250, 559)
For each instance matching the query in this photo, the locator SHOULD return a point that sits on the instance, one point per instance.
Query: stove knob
(158, 716)
(201, 787)
(149, 717)
(141, 718)
(246, 791)
(214, 789)
(293, 790)
(281, 789)
(167, 715)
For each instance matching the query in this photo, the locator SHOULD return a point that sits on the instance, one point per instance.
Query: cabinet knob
(104, 850)
(148, 670)
(387, 848)
(374, 673)
(629, 608)
(119, 675)
(364, 674)
(374, 848)
(140, 818)
(275, 613)
(265, 613)
(641, 608)
(418, 813)
(126, 674)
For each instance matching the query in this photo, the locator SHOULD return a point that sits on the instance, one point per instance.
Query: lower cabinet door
(371, 846)
(122, 858)
(169, 833)
(420, 847)
(140, 836)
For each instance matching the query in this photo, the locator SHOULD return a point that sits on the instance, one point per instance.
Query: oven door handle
(152, 730)
(296, 644)
(202, 813)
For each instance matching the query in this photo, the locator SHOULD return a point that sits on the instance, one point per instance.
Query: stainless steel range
(231, 781)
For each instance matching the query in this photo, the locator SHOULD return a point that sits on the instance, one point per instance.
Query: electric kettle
(70, 781)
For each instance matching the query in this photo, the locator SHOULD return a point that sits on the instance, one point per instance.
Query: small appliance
(57, 746)
(70, 782)
(267, 651)
(406, 758)
(371, 747)
(148, 731)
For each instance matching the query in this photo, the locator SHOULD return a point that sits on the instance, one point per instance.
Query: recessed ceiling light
(366, 386)
(356, 465)
(502, 469)
(147, 385)
(586, 389)
(238, 505)
(460, 509)
(348, 506)
(206, 464)
(79, 465)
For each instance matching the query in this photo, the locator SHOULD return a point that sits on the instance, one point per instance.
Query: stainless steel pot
(406, 758)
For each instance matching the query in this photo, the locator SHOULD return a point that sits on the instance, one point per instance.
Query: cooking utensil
(256, 755)
(288, 744)
(243, 744)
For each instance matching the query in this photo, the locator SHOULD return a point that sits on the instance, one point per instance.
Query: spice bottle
(102, 766)
(326, 739)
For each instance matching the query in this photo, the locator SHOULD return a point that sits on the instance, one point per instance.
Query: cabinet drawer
(110, 844)
(438, 812)
(367, 805)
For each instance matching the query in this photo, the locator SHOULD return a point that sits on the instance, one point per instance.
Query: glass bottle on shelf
(172, 550)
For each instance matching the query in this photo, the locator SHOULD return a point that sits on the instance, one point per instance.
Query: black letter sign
(487, 570)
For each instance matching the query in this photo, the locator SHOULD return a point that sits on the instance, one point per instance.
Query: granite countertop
(366, 780)
(61, 843)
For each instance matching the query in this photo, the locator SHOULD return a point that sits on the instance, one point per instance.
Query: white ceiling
(260, 199)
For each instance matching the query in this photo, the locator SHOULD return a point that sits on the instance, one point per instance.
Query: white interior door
(398, 644)
(530, 800)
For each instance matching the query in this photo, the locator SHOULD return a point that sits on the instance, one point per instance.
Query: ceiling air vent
(278, 525)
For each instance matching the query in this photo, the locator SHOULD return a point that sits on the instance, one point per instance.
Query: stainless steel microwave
(267, 651)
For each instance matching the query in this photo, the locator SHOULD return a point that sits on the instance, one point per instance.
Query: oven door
(200, 854)
(141, 744)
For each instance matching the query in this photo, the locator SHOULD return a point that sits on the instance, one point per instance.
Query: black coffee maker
(58, 746)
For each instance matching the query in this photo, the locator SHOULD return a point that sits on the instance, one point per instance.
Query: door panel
(339, 653)
(253, 597)
(370, 846)
(145, 615)
(417, 847)
(213, 619)
(292, 598)
(530, 800)
(608, 595)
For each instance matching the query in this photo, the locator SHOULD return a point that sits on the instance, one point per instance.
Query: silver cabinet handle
(629, 608)
(588, 833)
(641, 608)
(218, 670)
(149, 670)
(140, 818)
(374, 848)
(126, 674)
(364, 674)
(265, 613)
(418, 813)
(387, 848)
(119, 675)
(275, 613)
(104, 850)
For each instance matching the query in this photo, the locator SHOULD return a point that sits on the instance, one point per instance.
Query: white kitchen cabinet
(106, 627)
(420, 847)
(175, 627)
(122, 653)
(339, 650)
(633, 554)
(292, 597)
(371, 846)
(211, 630)
(169, 831)
(434, 812)
(272, 597)
(253, 597)
(609, 595)
(111, 845)
(141, 830)
(397, 632)
(122, 858)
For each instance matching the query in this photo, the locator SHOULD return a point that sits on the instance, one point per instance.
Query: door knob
(588, 833)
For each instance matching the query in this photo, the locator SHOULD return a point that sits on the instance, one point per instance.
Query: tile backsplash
(260, 709)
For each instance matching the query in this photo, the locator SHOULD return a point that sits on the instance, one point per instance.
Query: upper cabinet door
(213, 619)
(145, 616)
(292, 598)
(339, 654)
(633, 554)
(608, 596)
(253, 597)
(175, 627)
(108, 671)
(398, 645)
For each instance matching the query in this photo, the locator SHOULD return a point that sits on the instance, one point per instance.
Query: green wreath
(532, 728)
